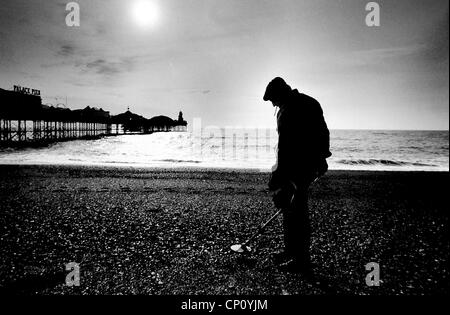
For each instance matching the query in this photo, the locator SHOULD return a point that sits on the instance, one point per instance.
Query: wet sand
(137, 231)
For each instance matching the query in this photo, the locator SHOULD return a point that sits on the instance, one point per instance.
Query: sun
(145, 13)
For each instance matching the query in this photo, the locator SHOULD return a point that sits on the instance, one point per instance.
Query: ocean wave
(180, 161)
(355, 150)
(383, 162)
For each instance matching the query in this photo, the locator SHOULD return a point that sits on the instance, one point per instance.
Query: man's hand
(275, 182)
(272, 184)
(322, 167)
(279, 199)
(282, 198)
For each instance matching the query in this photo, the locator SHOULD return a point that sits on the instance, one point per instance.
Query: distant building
(164, 123)
(131, 122)
(134, 123)
(181, 124)
(91, 114)
(18, 105)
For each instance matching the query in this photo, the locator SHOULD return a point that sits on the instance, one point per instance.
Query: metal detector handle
(262, 227)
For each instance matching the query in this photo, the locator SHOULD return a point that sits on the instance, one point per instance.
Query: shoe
(295, 266)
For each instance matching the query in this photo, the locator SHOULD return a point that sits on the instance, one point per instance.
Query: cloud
(109, 68)
(379, 55)
(195, 91)
(78, 83)
(437, 48)
(66, 50)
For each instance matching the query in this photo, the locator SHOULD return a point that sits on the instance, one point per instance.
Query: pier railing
(25, 132)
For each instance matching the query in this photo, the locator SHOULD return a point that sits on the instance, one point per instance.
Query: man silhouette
(303, 147)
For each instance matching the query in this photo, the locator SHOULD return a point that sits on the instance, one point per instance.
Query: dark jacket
(303, 141)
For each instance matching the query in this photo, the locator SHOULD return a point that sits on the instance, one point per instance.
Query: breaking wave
(375, 162)
(352, 150)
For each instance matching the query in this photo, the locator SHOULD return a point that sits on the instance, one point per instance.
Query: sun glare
(145, 13)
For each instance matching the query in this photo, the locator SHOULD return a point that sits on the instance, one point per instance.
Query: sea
(375, 150)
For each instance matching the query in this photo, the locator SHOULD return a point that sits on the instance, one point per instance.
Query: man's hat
(276, 89)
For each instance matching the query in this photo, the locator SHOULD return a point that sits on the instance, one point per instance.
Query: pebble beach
(169, 232)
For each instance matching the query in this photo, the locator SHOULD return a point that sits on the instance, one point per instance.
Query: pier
(25, 121)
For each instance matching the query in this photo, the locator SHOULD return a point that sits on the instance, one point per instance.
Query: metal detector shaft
(242, 248)
(262, 227)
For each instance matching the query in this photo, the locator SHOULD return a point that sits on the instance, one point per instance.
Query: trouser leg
(297, 229)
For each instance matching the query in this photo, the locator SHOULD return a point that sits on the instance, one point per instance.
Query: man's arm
(321, 143)
(285, 154)
(324, 141)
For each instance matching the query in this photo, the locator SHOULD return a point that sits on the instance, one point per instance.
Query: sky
(212, 59)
